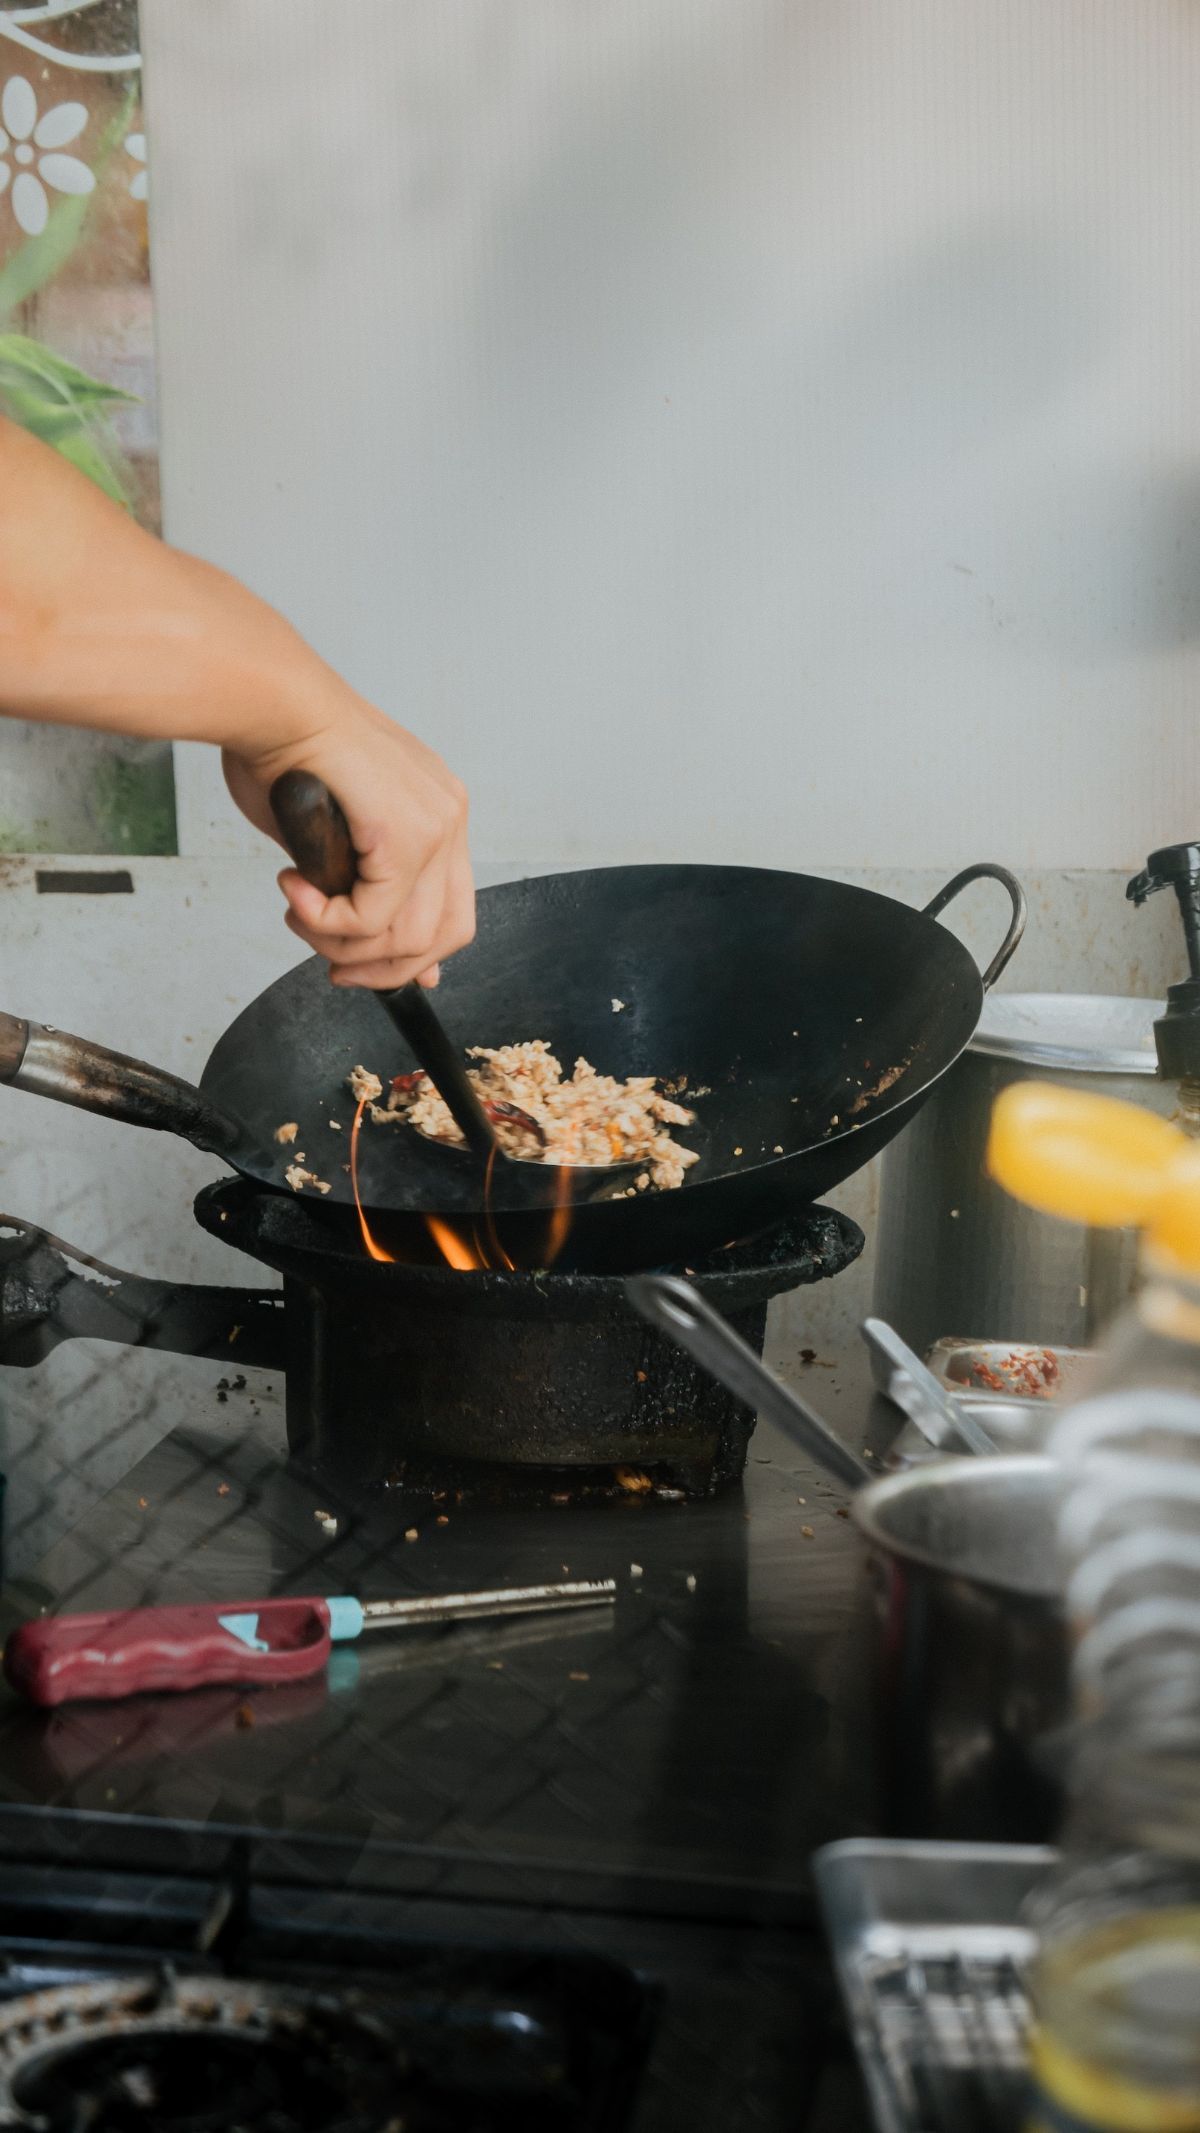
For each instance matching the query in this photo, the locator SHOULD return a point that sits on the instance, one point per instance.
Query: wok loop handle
(987, 871)
(674, 1307)
(72, 1070)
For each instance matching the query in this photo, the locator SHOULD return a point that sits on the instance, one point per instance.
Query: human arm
(103, 626)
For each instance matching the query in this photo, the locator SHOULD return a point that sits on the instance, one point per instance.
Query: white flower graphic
(139, 185)
(28, 140)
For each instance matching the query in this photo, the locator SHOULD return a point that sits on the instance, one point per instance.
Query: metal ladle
(903, 1378)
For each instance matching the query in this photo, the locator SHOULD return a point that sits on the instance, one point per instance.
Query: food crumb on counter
(222, 1488)
(618, 1007)
(633, 1481)
(738, 1151)
(561, 1497)
(842, 1512)
(635, 1570)
(690, 1581)
(326, 1521)
(411, 1534)
(495, 1666)
(578, 1675)
(801, 1499)
(143, 1503)
(244, 1717)
(778, 1148)
(288, 1132)
(336, 1124)
(807, 1533)
(442, 1519)
(365, 1087)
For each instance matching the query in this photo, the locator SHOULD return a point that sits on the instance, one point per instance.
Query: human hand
(413, 902)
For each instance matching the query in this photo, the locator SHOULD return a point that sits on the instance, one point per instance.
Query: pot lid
(1087, 1033)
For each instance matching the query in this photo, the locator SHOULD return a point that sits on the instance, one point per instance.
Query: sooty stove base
(430, 1377)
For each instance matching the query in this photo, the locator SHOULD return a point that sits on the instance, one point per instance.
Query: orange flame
(487, 1252)
(454, 1249)
(376, 1250)
(560, 1220)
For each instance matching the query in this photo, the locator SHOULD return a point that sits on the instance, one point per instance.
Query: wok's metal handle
(70, 1070)
(674, 1307)
(317, 835)
(986, 871)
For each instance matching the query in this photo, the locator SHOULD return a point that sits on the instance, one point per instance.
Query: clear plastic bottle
(1116, 1982)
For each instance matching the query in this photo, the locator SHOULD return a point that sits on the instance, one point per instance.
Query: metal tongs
(316, 834)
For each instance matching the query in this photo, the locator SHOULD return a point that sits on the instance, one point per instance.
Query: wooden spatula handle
(315, 831)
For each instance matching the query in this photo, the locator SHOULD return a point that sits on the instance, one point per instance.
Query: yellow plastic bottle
(1116, 1983)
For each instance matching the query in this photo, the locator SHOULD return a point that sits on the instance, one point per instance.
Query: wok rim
(904, 1094)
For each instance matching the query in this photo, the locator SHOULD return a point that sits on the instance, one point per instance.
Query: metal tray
(930, 1954)
(955, 1363)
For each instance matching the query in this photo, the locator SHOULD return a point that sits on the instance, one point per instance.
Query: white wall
(727, 428)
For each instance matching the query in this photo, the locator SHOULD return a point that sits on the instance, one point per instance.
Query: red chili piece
(511, 1114)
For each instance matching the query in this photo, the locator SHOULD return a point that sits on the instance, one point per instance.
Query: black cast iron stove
(427, 1377)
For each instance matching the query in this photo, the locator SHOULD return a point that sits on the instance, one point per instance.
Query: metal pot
(970, 1644)
(969, 1635)
(956, 1255)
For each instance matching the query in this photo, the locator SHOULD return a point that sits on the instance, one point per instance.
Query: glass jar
(1115, 1990)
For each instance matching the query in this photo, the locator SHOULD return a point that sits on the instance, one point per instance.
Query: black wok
(815, 1016)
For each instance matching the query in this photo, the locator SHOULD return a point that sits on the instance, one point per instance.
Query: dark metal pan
(814, 1016)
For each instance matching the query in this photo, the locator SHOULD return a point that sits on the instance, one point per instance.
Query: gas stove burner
(170, 2054)
(434, 1378)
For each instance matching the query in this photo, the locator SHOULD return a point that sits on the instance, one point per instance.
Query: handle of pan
(317, 835)
(986, 871)
(907, 1380)
(71, 1070)
(674, 1307)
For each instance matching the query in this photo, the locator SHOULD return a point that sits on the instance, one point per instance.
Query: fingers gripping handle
(66, 1658)
(315, 831)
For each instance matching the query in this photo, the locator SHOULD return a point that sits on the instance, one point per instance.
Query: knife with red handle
(66, 1658)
